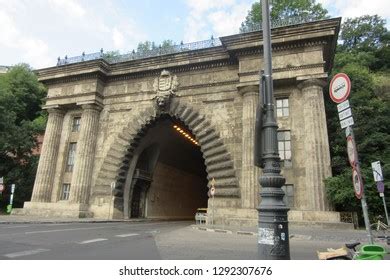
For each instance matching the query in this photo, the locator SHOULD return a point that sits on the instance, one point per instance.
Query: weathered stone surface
(214, 93)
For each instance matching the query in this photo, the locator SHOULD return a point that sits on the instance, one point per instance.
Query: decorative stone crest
(165, 86)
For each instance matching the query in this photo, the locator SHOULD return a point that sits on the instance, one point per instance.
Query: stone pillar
(85, 154)
(47, 162)
(249, 172)
(317, 155)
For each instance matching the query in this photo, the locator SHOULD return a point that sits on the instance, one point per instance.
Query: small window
(284, 145)
(288, 198)
(71, 157)
(76, 124)
(282, 107)
(65, 192)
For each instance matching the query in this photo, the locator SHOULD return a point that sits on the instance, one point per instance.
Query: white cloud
(118, 38)
(216, 18)
(71, 7)
(353, 8)
(228, 22)
(33, 50)
(37, 32)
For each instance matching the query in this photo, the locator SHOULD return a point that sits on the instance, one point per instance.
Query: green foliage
(364, 33)
(358, 57)
(21, 122)
(283, 9)
(111, 54)
(166, 46)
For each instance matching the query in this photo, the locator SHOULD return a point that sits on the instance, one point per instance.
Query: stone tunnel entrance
(169, 179)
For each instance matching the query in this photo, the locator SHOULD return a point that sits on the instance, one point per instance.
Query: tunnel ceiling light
(186, 134)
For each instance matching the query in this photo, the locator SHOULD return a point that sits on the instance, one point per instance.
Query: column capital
(312, 82)
(92, 106)
(248, 89)
(55, 111)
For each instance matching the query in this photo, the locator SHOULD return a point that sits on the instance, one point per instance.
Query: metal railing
(111, 57)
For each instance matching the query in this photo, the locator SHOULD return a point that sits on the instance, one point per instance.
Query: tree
(365, 33)
(21, 122)
(149, 47)
(358, 57)
(282, 10)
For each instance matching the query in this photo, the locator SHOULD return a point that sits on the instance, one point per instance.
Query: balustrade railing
(213, 42)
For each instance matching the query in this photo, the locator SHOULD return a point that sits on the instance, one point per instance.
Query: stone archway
(218, 161)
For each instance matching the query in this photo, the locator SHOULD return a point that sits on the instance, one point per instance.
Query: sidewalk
(296, 232)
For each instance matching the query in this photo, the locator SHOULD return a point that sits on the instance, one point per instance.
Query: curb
(250, 233)
(76, 221)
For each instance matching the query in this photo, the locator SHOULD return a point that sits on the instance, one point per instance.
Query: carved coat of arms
(165, 86)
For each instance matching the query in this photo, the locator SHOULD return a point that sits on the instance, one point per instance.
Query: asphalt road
(135, 240)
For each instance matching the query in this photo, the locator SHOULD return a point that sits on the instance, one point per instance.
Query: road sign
(347, 122)
(212, 191)
(377, 171)
(1, 188)
(380, 186)
(357, 183)
(351, 149)
(340, 87)
(343, 105)
(345, 114)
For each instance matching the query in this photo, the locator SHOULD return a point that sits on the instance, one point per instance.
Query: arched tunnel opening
(169, 180)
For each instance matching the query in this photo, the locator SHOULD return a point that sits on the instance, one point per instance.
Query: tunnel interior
(170, 179)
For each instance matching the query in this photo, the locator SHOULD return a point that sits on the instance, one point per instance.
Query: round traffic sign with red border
(357, 183)
(340, 88)
(351, 149)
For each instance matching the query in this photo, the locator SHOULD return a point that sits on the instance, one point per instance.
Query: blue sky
(37, 32)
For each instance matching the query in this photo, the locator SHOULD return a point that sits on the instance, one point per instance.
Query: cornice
(277, 70)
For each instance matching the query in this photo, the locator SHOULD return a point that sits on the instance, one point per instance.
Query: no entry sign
(357, 183)
(340, 87)
(352, 156)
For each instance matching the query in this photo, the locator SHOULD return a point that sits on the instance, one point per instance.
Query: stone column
(47, 162)
(85, 154)
(317, 155)
(249, 172)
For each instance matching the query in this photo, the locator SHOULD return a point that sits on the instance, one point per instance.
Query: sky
(38, 31)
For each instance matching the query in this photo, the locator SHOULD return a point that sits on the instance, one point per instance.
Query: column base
(61, 209)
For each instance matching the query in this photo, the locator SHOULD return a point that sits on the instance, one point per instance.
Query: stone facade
(214, 93)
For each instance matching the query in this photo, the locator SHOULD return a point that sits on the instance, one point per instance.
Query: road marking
(127, 235)
(15, 227)
(25, 253)
(65, 229)
(92, 240)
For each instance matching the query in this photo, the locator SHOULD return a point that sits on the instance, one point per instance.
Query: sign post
(339, 90)
(378, 177)
(1, 187)
(212, 193)
(112, 188)
(11, 200)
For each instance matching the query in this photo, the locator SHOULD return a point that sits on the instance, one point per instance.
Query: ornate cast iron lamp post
(273, 238)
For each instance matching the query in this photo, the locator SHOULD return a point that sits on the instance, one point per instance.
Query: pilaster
(82, 174)
(317, 163)
(249, 172)
(47, 162)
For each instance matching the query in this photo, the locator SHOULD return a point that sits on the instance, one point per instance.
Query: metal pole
(363, 199)
(273, 237)
(384, 204)
(213, 211)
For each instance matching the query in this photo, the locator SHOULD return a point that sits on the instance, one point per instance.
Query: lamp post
(273, 238)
